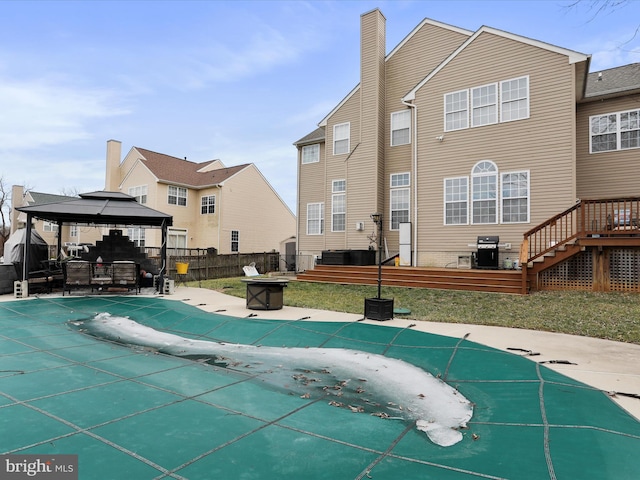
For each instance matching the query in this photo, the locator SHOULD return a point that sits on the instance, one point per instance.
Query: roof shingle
(184, 172)
(613, 81)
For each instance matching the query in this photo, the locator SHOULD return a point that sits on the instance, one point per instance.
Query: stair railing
(587, 218)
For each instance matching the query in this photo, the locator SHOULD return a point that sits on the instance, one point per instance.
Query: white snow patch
(364, 382)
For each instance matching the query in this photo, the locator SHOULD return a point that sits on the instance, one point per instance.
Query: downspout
(414, 259)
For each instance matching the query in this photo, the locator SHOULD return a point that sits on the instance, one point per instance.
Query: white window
(401, 128)
(338, 205)
(315, 218)
(456, 201)
(177, 241)
(49, 227)
(140, 193)
(400, 180)
(400, 196)
(311, 153)
(456, 110)
(177, 196)
(235, 241)
(615, 131)
(484, 105)
(630, 129)
(484, 192)
(341, 134)
(74, 230)
(514, 99)
(208, 204)
(515, 197)
(136, 235)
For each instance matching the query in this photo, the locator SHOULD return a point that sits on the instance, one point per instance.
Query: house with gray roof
(233, 209)
(454, 135)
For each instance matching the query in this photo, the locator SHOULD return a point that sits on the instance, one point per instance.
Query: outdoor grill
(487, 254)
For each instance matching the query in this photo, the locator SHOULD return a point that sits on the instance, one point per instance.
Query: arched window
(484, 192)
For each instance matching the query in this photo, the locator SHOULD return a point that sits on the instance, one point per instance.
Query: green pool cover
(133, 413)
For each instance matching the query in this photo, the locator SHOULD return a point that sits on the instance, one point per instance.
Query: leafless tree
(5, 210)
(603, 7)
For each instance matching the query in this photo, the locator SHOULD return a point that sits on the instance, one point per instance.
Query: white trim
(347, 138)
(573, 56)
(316, 159)
(496, 174)
(501, 93)
(496, 104)
(444, 100)
(618, 131)
(528, 196)
(231, 241)
(445, 202)
(321, 218)
(323, 122)
(404, 113)
(215, 204)
(177, 187)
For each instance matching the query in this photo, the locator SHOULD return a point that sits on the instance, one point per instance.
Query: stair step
(505, 281)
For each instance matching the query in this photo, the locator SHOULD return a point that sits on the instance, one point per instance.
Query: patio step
(496, 281)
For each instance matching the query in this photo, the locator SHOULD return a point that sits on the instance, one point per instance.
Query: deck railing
(587, 218)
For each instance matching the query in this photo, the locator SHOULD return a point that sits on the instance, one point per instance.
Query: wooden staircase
(495, 281)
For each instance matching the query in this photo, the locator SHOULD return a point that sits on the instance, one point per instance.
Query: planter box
(378, 308)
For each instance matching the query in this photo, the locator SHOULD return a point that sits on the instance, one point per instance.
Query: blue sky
(239, 81)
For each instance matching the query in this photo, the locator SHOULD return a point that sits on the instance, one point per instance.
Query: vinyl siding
(424, 51)
(356, 169)
(249, 205)
(311, 189)
(606, 174)
(542, 144)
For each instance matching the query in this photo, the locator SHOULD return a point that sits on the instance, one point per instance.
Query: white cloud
(43, 112)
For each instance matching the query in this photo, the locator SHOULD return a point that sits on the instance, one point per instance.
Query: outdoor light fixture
(378, 308)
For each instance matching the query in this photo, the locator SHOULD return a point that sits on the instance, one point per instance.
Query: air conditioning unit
(359, 226)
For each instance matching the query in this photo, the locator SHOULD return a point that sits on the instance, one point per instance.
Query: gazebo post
(163, 256)
(27, 249)
(59, 249)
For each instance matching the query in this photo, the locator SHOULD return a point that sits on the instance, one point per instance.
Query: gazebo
(98, 208)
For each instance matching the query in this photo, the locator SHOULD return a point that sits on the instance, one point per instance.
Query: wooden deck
(495, 281)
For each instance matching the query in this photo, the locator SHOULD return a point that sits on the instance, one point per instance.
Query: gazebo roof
(101, 207)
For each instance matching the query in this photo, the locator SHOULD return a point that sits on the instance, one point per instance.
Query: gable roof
(168, 169)
(426, 21)
(613, 82)
(316, 136)
(573, 56)
(41, 198)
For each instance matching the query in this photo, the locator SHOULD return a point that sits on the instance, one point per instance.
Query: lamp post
(378, 308)
(377, 219)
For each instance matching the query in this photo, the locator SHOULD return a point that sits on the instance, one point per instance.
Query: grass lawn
(612, 316)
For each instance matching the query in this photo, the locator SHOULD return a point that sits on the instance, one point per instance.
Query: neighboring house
(72, 235)
(233, 209)
(464, 134)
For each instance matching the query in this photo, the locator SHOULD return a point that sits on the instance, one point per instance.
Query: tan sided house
(233, 209)
(456, 135)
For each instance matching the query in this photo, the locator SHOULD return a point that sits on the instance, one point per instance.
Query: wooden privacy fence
(205, 264)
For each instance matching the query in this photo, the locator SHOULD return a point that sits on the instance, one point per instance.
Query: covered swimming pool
(134, 412)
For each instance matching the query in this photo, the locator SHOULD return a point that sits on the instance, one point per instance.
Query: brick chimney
(112, 177)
